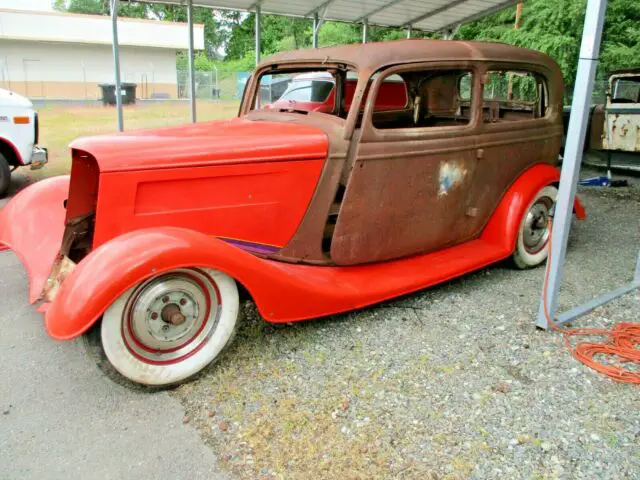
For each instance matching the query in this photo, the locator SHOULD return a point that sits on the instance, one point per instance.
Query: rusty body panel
(614, 127)
(390, 193)
(621, 129)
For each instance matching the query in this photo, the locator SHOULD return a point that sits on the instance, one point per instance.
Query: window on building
(513, 96)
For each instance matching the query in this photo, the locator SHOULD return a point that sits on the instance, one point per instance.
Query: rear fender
(504, 224)
(114, 267)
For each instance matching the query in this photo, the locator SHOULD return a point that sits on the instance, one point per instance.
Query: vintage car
(613, 133)
(157, 233)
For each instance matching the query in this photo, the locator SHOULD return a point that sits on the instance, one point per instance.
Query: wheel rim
(535, 233)
(169, 318)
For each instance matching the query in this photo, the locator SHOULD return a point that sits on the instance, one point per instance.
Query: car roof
(376, 55)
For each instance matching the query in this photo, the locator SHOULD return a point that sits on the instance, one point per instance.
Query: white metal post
(587, 64)
(116, 61)
(316, 27)
(365, 30)
(258, 34)
(192, 73)
(409, 32)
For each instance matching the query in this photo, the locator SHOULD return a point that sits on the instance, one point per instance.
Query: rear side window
(434, 98)
(510, 95)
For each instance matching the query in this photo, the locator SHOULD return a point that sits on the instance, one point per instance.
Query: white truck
(18, 137)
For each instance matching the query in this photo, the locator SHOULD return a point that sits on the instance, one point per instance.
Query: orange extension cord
(621, 341)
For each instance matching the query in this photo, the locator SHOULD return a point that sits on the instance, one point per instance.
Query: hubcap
(536, 226)
(169, 318)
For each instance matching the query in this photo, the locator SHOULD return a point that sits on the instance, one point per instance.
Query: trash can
(127, 93)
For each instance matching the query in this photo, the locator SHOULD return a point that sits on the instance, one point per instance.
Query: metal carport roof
(428, 15)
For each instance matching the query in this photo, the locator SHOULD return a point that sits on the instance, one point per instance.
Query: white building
(53, 55)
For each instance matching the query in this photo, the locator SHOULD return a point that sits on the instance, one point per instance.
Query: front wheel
(533, 236)
(168, 328)
(5, 175)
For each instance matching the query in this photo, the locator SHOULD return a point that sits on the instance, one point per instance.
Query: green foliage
(555, 28)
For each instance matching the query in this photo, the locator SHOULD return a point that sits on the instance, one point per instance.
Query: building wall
(74, 70)
(95, 29)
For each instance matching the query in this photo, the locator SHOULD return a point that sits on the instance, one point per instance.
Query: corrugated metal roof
(428, 15)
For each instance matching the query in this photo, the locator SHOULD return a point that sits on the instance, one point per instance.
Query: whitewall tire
(533, 236)
(168, 328)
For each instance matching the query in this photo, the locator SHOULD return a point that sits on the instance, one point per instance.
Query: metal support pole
(192, 73)
(365, 30)
(116, 61)
(316, 28)
(258, 33)
(589, 51)
(409, 32)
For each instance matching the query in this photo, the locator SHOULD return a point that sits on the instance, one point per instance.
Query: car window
(513, 96)
(626, 90)
(432, 98)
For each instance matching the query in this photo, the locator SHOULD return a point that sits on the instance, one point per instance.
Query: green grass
(60, 124)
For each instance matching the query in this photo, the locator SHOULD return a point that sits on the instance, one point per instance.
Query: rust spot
(171, 314)
(62, 268)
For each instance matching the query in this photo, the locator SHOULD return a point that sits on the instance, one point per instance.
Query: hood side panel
(261, 203)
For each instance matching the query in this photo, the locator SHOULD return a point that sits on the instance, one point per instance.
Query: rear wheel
(5, 175)
(167, 329)
(533, 236)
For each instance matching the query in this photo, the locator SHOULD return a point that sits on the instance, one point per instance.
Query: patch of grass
(60, 124)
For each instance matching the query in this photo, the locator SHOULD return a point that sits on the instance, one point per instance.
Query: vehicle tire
(533, 235)
(5, 176)
(165, 330)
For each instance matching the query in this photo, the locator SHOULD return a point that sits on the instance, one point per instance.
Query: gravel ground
(451, 382)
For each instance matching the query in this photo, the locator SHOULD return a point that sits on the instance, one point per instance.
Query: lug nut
(183, 301)
(154, 316)
(165, 299)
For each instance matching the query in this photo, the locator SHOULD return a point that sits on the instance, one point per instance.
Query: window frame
(372, 134)
(547, 75)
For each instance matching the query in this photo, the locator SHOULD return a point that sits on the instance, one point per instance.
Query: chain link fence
(218, 84)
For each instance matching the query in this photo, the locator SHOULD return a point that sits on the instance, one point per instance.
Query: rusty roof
(372, 56)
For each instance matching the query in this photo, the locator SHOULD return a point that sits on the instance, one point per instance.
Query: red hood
(219, 142)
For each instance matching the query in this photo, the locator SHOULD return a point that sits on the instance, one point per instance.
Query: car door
(521, 126)
(408, 188)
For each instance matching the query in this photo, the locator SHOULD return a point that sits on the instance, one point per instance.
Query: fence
(219, 84)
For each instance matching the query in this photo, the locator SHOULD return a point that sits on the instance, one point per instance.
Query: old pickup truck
(613, 134)
(324, 202)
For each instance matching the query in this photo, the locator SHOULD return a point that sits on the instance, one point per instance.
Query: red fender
(502, 228)
(32, 225)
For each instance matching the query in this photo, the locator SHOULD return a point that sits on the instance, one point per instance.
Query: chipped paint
(451, 175)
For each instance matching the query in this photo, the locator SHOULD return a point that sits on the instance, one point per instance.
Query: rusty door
(520, 128)
(407, 192)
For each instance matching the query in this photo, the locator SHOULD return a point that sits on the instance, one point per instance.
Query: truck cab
(18, 137)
